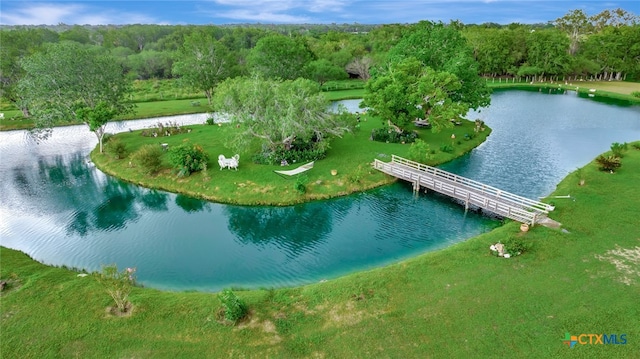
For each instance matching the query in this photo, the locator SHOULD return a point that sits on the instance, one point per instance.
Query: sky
(218, 12)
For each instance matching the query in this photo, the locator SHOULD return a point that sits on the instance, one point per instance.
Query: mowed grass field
(460, 302)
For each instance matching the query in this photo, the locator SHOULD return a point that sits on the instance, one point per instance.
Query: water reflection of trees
(190, 204)
(296, 229)
(97, 202)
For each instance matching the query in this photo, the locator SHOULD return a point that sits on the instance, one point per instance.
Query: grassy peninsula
(458, 302)
(255, 184)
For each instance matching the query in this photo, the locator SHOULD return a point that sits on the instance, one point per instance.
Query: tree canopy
(69, 80)
(443, 48)
(280, 57)
(405, 90)
(203, 63)
(277, 112)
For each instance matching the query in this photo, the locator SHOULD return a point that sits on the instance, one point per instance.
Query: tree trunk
(25, 112)
(208, 93)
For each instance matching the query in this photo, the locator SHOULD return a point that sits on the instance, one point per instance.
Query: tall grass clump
(118, 284)
(149, 157)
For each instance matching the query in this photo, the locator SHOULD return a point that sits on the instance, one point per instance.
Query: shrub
(516, 245)
(165, 129)
(387, 134)
(608, 163)
(149, 157)
(636, 94)
(618, 148)
(301, 184)
(234, 308)
(446, 148)
(420, 151)
(357, 175)
(188, 158)
(116, 148)
(300, 152)
(210, 121)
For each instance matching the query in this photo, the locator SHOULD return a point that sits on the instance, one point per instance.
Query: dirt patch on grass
(627, 262)
(347, 314)
(266, 326)
(114, 312)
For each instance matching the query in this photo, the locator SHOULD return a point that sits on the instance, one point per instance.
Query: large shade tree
(444, 49)
(72, 81)
(203, 62)
(16, 45)
(405, 90)
(277, 112)
(280, 57)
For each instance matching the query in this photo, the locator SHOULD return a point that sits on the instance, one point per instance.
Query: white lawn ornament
(229, 163)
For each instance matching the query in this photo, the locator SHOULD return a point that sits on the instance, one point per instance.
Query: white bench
(229, 163)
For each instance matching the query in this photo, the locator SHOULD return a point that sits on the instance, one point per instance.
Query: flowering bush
(118, 284)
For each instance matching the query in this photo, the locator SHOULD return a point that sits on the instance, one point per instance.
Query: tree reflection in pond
(190, 204)
(294, 228)
(67, 183)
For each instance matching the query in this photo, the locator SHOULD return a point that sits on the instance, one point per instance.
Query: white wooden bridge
(468, 191)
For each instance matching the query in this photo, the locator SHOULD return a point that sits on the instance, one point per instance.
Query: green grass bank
(460, 302)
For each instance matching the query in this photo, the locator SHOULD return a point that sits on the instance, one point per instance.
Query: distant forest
(603, 46)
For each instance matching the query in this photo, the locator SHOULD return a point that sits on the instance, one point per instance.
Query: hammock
(295, 171)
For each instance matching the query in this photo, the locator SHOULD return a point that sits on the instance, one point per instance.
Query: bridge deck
(470, 192)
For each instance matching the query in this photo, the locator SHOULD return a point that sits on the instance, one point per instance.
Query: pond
(60, 210)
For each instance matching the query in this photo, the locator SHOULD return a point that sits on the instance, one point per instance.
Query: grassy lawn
(258, 184)
(460, 302)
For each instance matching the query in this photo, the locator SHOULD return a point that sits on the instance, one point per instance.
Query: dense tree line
(603, 46)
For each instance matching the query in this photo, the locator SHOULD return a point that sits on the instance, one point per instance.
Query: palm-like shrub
(608, 163)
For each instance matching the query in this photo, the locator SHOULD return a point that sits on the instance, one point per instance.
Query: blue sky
(173, 12)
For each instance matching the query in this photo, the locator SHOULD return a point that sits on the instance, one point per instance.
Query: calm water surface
(60, 210)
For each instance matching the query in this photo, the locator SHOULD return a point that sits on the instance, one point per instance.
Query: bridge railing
(478, 186)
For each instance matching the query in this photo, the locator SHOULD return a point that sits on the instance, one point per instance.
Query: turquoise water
(56, 207)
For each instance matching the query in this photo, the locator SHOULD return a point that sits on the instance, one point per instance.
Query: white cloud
(39, 14)
(262, 16)
(52, 14)
(282, 11)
